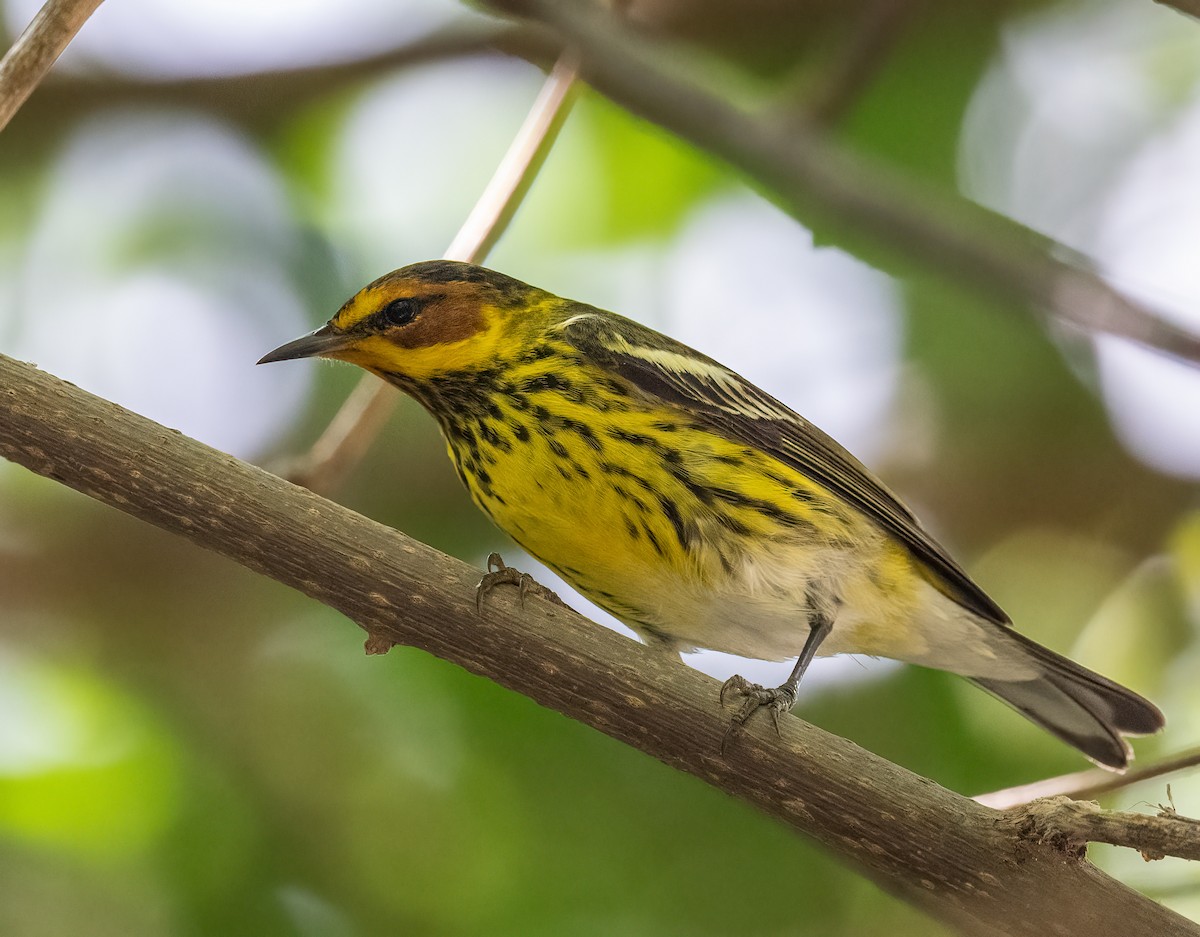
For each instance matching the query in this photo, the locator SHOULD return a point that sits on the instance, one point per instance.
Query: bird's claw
(498, 573)
(775, 700)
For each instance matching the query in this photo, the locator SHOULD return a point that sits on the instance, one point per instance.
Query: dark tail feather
(1082, 708)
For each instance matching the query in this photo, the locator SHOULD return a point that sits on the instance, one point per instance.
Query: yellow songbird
(693, 506)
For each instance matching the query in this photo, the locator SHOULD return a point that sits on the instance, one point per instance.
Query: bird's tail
(1082, 708)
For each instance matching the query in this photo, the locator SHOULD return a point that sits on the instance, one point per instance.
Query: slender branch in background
(37, 49)
(1069, 825)
(938, 850)
(494, 211)
(845, 196)
(825, 103)
(349, 435)
(265, 98)
(1085, 785)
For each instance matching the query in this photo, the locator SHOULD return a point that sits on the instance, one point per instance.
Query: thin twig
(349, 435)
(850, 198)
(507, 189)
(346, 440)
(1086, 785)
(38, 48)
(1069, 825)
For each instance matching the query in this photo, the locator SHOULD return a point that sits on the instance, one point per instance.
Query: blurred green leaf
(84, 767)
(641, 184)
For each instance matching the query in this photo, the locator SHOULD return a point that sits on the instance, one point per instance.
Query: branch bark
(1069, 825)
(846, 195)
(37, 49)
(1187, 7)
(939, 850)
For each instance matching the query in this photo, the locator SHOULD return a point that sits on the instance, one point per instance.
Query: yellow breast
(639, 507)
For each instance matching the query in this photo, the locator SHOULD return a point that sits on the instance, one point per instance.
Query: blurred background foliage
(187, 749)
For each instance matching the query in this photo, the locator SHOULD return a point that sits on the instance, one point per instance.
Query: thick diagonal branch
(938, 850)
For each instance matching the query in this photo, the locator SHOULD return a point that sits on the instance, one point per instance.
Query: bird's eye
(400, 311)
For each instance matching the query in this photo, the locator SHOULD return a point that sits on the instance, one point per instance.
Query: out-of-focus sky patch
(415, 152)
(815, 327)
(1061, 109)
(179, 38)
(1146, 243)
(1087, 129)
(40, 729)
(1153, 403)
(159, 270)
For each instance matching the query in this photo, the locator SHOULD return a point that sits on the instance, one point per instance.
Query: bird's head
(424, 320)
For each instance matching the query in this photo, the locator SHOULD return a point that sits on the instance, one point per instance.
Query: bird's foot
(775, 700)
(499, 574)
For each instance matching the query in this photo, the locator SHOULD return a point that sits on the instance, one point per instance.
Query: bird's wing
(728, 404)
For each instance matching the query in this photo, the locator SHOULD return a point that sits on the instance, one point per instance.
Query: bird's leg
(782, 698)
(498, 574)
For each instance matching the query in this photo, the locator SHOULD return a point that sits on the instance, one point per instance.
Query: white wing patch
(711, 380)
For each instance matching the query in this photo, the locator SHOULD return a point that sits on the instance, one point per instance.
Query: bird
(690, 504)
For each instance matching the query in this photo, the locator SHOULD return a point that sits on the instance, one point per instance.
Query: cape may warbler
(690, 504)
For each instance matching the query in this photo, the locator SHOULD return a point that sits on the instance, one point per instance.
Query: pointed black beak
(323, 341)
